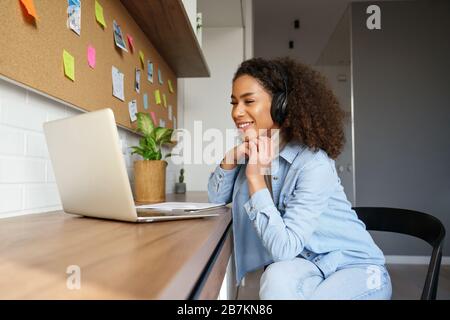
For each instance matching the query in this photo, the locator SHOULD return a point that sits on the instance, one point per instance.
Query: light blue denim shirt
(309, 215)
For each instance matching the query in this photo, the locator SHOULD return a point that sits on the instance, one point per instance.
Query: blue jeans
(300, 279)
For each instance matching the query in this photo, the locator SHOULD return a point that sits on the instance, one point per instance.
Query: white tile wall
(27, 182)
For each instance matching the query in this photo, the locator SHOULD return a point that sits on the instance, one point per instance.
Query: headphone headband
(279, 100)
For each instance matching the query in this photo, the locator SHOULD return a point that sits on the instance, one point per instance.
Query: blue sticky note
(145, 101)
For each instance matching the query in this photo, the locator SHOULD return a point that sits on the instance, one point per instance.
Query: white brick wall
(27, 183)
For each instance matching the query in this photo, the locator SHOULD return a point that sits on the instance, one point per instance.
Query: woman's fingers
(253, 157)
(262, 147)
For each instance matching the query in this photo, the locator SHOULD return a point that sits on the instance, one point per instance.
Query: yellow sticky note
(164, 100)
(141, 56)
(29, 5)
(157, 97)
(69, 65)
(170, 86)
(99, 14)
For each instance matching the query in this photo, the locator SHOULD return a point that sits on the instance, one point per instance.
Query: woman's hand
(234, 156)
(259, 162)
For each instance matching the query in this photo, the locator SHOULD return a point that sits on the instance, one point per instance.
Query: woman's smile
(244, 125)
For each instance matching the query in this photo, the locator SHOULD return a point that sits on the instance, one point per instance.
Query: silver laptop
(90, 170)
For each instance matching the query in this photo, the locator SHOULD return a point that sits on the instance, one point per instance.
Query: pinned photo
(118, 37)
(74, 13)
(150, 71)
(132, 110)
(137, 82)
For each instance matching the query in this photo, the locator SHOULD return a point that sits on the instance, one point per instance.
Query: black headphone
(279, 99)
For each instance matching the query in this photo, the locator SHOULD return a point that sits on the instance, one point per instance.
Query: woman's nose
(238, 111)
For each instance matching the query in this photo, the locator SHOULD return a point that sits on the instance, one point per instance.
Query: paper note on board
(130, 42)
(164, 100)
(117, 81)
(160, 79)
(153, 117)
(174, 122)
(132, 109)
(162, 123)
(118, 37)
(170, 86)
(141, 56)
(91, 56)
(157, 97)
(137, 81)
(170, 112)
(29, 6)
(145, 101)
(99, 14)
(69, 65)
(74, 13)
(149, 71)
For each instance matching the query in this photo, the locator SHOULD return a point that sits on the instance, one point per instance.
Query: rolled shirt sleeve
(286, 236)
(220, 184)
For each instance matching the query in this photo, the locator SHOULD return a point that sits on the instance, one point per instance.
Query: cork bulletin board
(31, 53)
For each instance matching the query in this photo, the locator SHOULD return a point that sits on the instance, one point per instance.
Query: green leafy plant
(181, 177)
(153, 138)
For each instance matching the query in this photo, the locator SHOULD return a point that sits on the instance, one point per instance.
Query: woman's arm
(285, 237)
(221, 181)
(220, 185)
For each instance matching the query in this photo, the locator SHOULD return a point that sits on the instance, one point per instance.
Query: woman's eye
(233, 103)
(249, 101)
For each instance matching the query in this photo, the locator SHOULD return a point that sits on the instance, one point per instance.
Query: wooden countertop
(118, 260)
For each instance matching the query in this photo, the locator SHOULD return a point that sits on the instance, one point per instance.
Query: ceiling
(221, 13)
(274, 27)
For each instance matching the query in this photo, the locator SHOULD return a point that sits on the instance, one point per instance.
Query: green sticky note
(170, 86)
(69, 65)
(157, 97)
(141, 56)
(99, 14)
(164, 100)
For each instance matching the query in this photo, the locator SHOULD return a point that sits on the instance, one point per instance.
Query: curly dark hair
(313, 115)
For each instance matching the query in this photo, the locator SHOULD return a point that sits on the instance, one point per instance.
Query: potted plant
(150, 173)
(180, 186)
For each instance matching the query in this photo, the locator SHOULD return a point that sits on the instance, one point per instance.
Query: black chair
(414, 223)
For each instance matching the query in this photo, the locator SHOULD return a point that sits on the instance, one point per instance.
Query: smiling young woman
(290, 212)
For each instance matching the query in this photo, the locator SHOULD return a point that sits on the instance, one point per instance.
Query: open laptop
(91, 174)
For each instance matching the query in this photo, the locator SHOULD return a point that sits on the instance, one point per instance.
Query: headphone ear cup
(274, 107)
(282, 108)
(278, 107)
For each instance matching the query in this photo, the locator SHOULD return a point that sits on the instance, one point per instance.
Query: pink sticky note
(91, 57)
(153, 117)
(130, 42)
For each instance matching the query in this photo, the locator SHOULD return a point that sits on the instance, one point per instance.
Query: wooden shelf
(166, 24)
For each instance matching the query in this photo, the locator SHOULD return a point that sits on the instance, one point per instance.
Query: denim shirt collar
(291, 150)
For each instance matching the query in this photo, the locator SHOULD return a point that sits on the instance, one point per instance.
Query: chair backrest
(414, 223)
(410, 222)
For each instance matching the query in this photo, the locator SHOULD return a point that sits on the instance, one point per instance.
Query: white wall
(27, 184)
(207, 99)
(191, 9)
